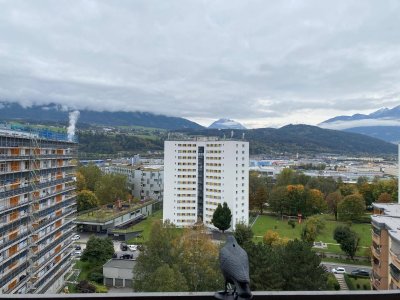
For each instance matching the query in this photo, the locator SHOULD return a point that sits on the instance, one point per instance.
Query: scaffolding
(37, 201)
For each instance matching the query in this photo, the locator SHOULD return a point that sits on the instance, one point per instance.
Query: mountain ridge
(57, 113)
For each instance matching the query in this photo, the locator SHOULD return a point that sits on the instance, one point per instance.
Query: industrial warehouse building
(37, 208)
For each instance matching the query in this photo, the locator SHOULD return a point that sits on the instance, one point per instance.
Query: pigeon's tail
(243, 290)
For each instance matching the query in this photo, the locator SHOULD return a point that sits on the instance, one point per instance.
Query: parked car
(360, 272)
(339, 270)
(78, 247)
(76, 237)
(132, 247)
(78, 252)
(123, 247)
(126, 256)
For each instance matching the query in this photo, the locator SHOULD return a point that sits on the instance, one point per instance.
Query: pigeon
(234, 264)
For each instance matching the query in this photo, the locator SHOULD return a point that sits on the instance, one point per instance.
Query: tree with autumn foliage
(190, 258)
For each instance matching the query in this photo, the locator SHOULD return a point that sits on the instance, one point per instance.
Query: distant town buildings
(386, 247)
(200, 174)
(37, 211)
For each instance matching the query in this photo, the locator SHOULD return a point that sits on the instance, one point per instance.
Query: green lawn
(144, 226)
(265, 223)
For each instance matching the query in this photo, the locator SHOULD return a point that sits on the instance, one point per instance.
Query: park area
(268, 222)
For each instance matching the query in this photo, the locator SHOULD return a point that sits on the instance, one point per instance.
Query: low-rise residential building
(145, 181)
(385, 247)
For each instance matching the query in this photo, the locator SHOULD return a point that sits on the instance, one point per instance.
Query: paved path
(342, 282)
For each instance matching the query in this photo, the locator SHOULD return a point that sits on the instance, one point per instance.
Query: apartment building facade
(145, 181)
(37, 210)
(385, 247)
(199, 175)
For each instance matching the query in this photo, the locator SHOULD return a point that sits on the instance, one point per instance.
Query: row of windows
(211, 203)
(213, 171)
(186, 189)
(186, 176)
(186, 151)
(213, 190)
(213, 197)
(185, 221)
(186, 182)
(186, 201)
(213, 183)
(214, 164)
(186, 214)
(214, 145)
(186, 145)
(186, 195)
(186, 157)
(213, 177)
(186, 207)
(186, 163)
(186, 170)
(213, 157)
(213, 151)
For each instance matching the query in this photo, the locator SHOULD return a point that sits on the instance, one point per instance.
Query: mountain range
(383, 124)
(288, 139)
(303, 139)
(56, 113)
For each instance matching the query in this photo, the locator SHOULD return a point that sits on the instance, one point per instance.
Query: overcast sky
(263, 63)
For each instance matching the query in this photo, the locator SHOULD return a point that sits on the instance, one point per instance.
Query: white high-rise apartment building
(200, 174)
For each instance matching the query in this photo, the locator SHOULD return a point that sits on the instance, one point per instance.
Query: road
(348, 268)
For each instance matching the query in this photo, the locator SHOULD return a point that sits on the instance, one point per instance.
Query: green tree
(265, 267)
(333, 200)
(347, 189)
(366, 190)
(243, 234)
(351, 208)
(91, 174)
(278, 200)
(86, 200)
(304, 272)
(166, 279)
(312, 227)
(98, 250)
(361, 181)
(80, 182)
(222, 217)
(260, 198)
(315, 202)
(348, 240)
(111, 187)
(285, 178)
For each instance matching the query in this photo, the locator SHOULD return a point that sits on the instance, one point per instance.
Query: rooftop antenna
(232, 134)
(243, 135)
(169, 134)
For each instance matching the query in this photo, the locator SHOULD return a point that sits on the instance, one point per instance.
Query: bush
(365, 287)
(96, 277)
(332, 283)
(349, 282)
(292, 223)
(358, 286)
(85, 286)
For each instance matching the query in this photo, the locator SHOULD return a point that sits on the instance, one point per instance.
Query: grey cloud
(263, 62)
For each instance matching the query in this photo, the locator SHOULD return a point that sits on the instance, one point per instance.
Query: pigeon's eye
(233, 245)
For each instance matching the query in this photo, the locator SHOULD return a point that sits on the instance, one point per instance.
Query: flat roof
(390, 209)
(120, 264)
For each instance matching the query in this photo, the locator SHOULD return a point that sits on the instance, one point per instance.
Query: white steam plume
(73, 118)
